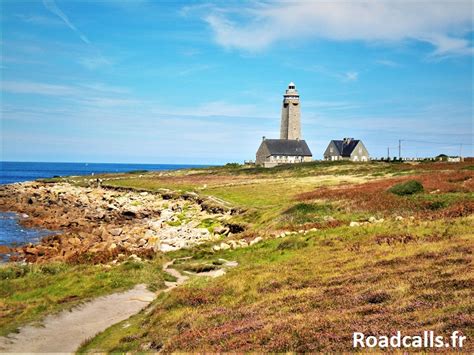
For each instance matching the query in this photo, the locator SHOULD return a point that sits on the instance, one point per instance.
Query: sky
(201, 82)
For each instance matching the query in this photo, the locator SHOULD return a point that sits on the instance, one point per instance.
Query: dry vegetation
(311, 291)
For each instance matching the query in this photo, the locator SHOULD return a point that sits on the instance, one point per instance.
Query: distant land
(11, 172)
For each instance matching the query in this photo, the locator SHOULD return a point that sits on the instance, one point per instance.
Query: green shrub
(406, 188)
(201, 267)
(232, 165)
(132, 265)
(305, 212)
(292, 244)
(14, 271)
(308, 208)
(53, 269)
(137, 172)
(436, 205)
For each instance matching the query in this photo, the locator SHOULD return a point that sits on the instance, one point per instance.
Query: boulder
(134, 257)
(116, 231)
(221, 230)
(74, 241)
(31, 250)
(167, 247)
(154, 242)
(224, 246)
(354, 224)
(243, 243)
(256, 240)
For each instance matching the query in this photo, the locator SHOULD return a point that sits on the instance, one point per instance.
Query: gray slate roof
(287, 147)
(345, 148)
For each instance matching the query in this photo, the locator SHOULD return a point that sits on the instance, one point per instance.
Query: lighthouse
(290, 114)
(290, 148)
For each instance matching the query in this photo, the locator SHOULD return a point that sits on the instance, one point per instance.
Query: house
(282, 151)
(290, 148)
(346, 149)
(450, 159)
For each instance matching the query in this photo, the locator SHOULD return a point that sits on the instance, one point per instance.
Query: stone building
(346, 149)
(290, 148)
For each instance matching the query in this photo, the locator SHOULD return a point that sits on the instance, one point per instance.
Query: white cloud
(53, 8)
(351, 76)
(216, 109)
(27, 87)
(98, 95)
(257, 26)
(86, 94)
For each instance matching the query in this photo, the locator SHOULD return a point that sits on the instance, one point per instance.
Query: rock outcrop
(96, 225)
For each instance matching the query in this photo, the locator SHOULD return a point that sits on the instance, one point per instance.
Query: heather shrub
(289, 244)
(406, 188)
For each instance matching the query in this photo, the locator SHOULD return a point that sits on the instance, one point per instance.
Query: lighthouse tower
(290, 114)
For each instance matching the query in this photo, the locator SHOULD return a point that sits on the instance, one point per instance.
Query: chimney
(263, 138)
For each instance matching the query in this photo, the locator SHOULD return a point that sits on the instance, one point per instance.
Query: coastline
(13, 172)
(97, 224)
(293, 231)
(14, 234)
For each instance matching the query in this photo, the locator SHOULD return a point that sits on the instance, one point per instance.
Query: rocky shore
(96, 225)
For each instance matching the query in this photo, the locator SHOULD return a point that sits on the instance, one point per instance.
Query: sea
(11, 172)
(12, 233)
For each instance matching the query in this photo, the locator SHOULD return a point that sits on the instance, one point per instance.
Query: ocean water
(11, 172)
(11, 232)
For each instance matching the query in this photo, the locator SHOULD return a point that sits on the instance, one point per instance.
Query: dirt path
(66, 331)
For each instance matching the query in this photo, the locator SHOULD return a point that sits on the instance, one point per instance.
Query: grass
(28, 292)
(309, 293)
(301, 213)
(306, 292)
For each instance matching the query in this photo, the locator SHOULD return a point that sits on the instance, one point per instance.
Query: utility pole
(388, 153)
(460, 152)
(399, 149)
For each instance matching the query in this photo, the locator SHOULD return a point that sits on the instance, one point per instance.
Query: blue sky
(201, 82)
